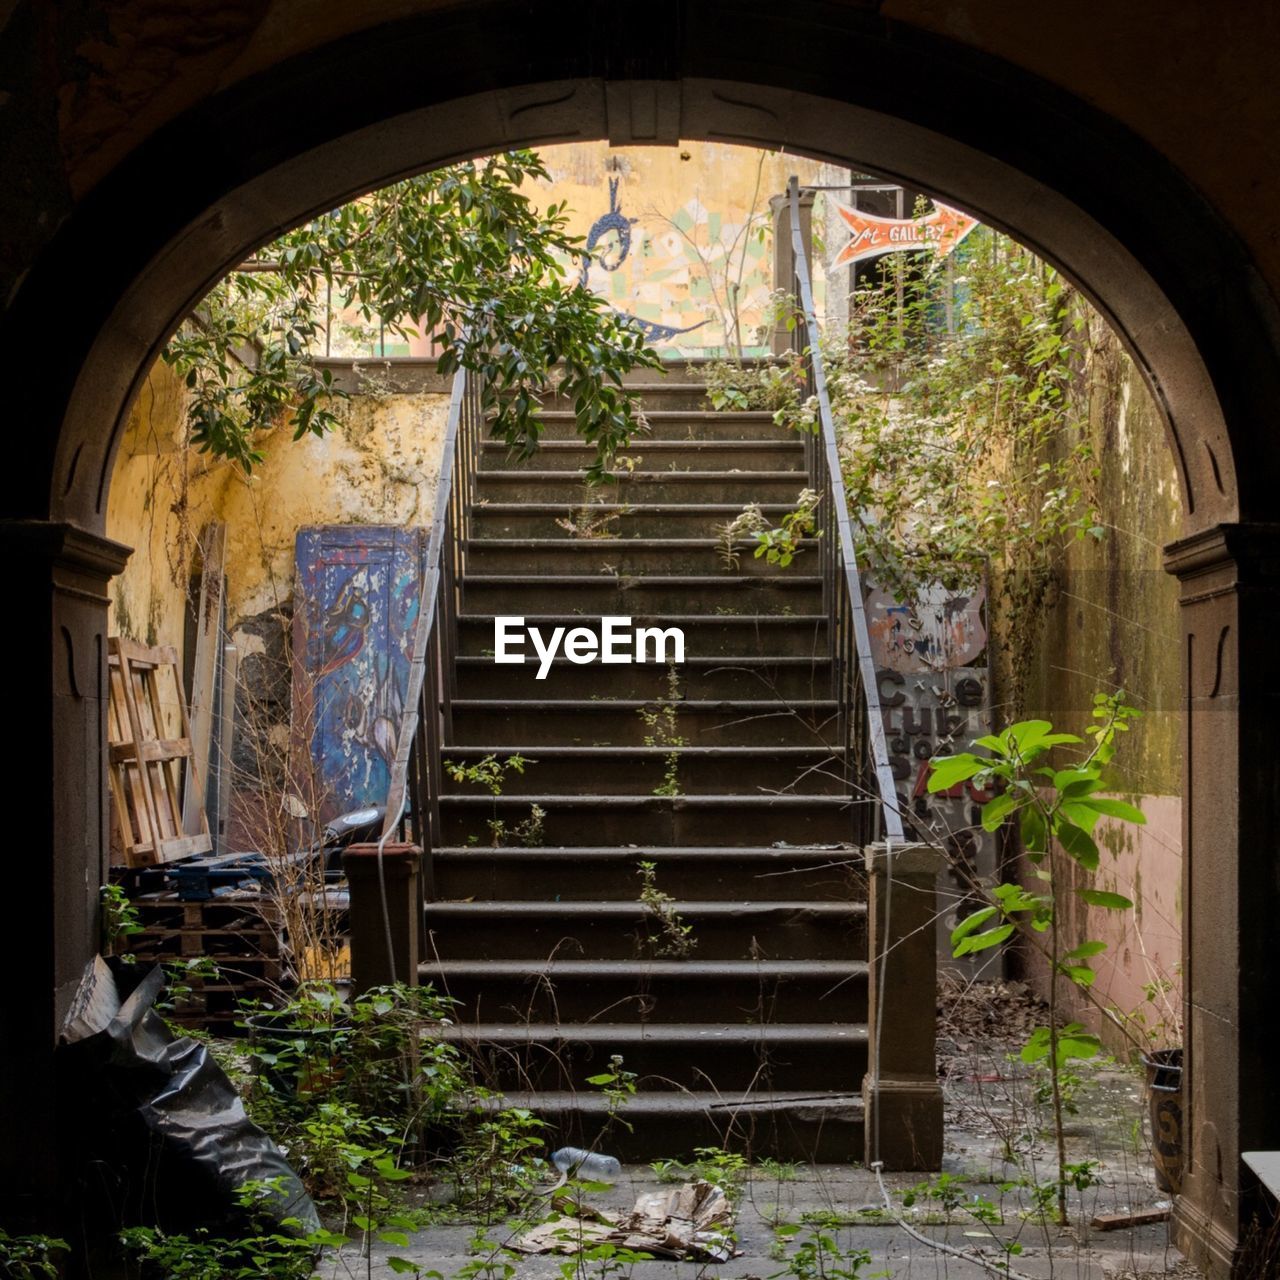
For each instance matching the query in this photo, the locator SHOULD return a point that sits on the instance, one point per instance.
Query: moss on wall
(1114, 620)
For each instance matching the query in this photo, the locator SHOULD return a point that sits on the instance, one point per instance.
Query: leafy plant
(662, 725)
(460, 254)
(819, 1256)
(490, 773)
(120, 920)
(30, 1257)
(1057, 809)
(675, 936)
(779, 545)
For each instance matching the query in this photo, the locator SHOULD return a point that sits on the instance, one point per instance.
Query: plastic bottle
(589, 1165)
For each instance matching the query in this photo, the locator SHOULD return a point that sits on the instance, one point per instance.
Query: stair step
(712, 873)
(575, 455)
(621, 722)
(654, 990)
(668, 1055)
(701, 486)
(639, 770)
(609, 930)
(699, 679)
(672, 820)
(705, 635)
(690, 556)
(609, 519)
(821, 1126)
(682, 415)
(585, 594)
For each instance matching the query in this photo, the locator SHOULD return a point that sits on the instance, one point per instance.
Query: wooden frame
(144, 766)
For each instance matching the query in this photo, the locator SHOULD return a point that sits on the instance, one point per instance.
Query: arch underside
(1099, 206)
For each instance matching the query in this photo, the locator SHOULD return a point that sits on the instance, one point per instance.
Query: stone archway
(1098, 202)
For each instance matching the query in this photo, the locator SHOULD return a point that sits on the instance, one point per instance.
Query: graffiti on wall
(687, 271)
(935, 696)
(356, 602)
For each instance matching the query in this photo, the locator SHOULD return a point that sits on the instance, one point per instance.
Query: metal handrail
(853, 673)
(413, 797)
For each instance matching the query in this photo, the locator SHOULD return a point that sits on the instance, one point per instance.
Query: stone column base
(371, 964)
(910, 1122)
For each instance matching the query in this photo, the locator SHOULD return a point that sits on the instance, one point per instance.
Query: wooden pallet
(145, 765)
(239, 933)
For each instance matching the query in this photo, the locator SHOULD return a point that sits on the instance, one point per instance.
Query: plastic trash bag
(158, 1113)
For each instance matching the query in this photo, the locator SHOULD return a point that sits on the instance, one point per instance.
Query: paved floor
(996, 1135)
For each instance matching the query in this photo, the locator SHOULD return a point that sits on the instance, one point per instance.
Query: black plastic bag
(159, 1113)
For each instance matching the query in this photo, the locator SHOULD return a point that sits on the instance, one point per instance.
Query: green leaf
(1101, 898)
(1033, 829)
(946, 771)
(995, 811)
(402, 1266)
(970, 923)
(1079, 844)
(1080, 974)
(1028, 734)
(1115, 809)
(983, 941)
(1085, 950)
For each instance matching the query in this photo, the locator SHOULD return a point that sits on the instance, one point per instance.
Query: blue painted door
(356, 602)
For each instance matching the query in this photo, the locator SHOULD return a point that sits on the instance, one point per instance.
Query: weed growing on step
(778, 545)
(662, 730)
(491, 773)
(586, 522)
(674, 936)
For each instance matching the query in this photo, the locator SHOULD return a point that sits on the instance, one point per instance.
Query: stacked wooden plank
(220, 952)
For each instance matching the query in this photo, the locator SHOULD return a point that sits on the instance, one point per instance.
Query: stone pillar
(784, 262)
(55, 816)
(1230, 580)
(371, 965)
(904, 1122)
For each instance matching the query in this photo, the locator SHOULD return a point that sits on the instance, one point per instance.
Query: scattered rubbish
(590, 1165)
(1137, 1218)
(692, 1221)
(161, 1115)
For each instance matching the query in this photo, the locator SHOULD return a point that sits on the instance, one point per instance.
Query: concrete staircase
(757, 1037)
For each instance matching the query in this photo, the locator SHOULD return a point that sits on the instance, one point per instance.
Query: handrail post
(902, 1099)
(385, 913)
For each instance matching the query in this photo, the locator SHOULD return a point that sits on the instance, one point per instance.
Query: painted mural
(935, 695)
(679, 238)
(356, 602)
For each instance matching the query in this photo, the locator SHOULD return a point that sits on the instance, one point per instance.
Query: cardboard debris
(693, 1221)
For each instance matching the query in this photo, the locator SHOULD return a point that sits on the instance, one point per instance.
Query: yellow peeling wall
(378, 468)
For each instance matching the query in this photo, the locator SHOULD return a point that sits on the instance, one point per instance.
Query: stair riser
(800, 1133)
(636, 522)
(710, 637)
(682, 427)
(524, 877)
(617, 555)
(513, 486)
(654, 455)
(804, 681)
(818, 774)
(654, 822)
(781, 933)
(657, 824)
(599, 725)
(725, 1066)
(632, 596)
(665, 1000)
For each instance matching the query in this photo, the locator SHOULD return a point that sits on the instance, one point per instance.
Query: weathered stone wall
(1114, 623)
